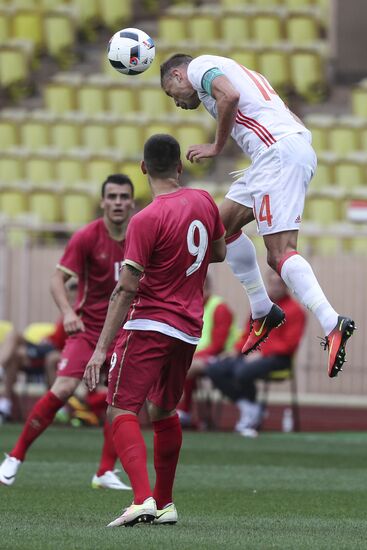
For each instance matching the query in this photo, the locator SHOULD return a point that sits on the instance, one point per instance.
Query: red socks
(131, 449)
(40, 417)
(186, 400)
(109, 455)
(167, 445)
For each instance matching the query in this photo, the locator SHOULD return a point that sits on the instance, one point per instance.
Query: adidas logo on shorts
(298, 219)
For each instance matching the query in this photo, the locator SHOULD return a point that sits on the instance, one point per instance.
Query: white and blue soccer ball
(131, 51)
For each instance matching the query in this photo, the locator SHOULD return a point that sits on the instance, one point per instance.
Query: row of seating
(341, 134)
(235, 27)
(359, 99)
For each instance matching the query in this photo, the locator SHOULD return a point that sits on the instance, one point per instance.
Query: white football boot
(167, 516)
(8, 470)
(137, 513)
(109, 480)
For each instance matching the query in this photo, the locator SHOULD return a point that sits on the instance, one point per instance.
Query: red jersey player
(169, 245)
(94, 255)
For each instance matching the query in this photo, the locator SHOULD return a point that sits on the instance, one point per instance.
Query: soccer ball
(131, 51)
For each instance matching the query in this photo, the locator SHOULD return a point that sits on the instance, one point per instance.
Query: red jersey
(286, 338)
(170, 240)
(95, 258)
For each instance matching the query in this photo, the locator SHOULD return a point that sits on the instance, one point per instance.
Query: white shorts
(275, 185)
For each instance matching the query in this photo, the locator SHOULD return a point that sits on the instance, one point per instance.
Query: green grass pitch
(283, 491)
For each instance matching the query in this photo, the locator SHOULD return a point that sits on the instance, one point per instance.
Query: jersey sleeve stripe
(66, 270)
(133, 264)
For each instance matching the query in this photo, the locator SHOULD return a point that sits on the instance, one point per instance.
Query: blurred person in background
(236, 375)
(272, 190)
(94, 256)
(218, 335)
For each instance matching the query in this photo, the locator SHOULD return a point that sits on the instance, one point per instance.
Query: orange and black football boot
(260, 328)
(335, 344)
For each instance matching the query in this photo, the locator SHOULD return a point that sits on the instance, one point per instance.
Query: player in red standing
(272, 190)
(94, 255)
(169, 245)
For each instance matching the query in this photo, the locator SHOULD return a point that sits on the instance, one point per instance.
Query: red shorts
(78, 350)
(148, 365)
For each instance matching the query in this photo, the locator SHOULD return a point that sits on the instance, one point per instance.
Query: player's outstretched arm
(72, 323)
(227, 98)
(119, 305)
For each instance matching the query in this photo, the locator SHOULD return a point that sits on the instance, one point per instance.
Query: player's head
(176, 84)
(117, 198)
(162, 157)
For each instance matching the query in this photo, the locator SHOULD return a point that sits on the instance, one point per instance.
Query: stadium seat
(60, 97)
(59, 31)
(65, 133)
(45, 205)
(95, 135)
(34, 134)
(27, 25)
(351, 172)
(203, 29)
(152, 97)
(36, 332)
(142, 190)
(121, 100)
(92, 98)
(13, 201)
(158, 128)
(70, 168)
(5, 30)
(12, 166)
(116, 15)
(39, 168)
(359, 101)
(100, 165)
(302, 29)
(324, 175)
(172, 30)
(235, 29)
(9, 133)
(319, 125)
(363, 138)
(87, 12)
(14, 65)
(77, 208)
(246, 56)
(358, 245)
(343, 139)
(273, 64)
(323, 210)
(128, 138)
(5, 328)
(327, 245)
(307, 74)
(267, 29)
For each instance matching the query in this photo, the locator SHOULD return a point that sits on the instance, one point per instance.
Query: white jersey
(262, 118)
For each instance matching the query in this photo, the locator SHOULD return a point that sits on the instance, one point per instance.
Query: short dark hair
(162, 155)
(118, 179)
(174, 61)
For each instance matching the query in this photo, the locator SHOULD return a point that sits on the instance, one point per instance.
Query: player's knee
(64, 388)
(156, 413)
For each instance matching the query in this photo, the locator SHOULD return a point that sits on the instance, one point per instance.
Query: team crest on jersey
(62, 363)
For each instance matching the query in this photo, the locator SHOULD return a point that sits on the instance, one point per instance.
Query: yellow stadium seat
(45, 205)
(153, 99)
(359, 101)
(203, 29)
(11, 166)
(95, 135)
(267, 29)
(323, 210)
(350, 173)
(27, 25)
(5, 328)
(235, 29)
(14, 65)
(39, 168)
(65, 134)
(77, 208)
(247, 56)
(302, 29)
(9, 135)
(172, 29)
(99, 166)
(87, 11)
(319, 125)
(363, 138)
(358, 245)
(128, 138)
(142, 190)
(70, 168)
(327, 245)
(116, 14)
(307, 74)
(324, 175)
(34, 134)
(121, 100)
(36, 332)
(60, 97)
(273, 64)
(5, 32)
(59, 30)
(343, 139)
(158, 128)
(13, 202)
(92, 98)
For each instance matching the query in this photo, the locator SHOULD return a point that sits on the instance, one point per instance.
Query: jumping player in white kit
(272, 190)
